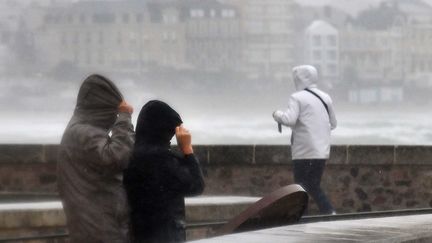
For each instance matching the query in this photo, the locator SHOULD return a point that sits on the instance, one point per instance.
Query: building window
(197, 13)
(52, 19)
(234, 29)
(88, 57)
(331, 55)
(82, 18)
(316, 55)
(101, 37)
(48, 18)
(119, 38)
(316, 40)
(104, 18)
(165, 36)
(101, 57)
(125, 18)
(5, 37)
(63, 39)
(88, 37)
(332, 69)
(76, 57)
(173, 36)
(133, 38)
(169, 19)
(76, 38)
(212, 13)
(275, 10)
(70, 19)
(228, 13)
(331, 39)
(318, 68)
(139, 18)
(56, 19)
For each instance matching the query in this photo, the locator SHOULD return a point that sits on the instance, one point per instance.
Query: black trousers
(308, 173)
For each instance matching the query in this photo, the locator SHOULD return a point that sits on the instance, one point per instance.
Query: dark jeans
(308, 173)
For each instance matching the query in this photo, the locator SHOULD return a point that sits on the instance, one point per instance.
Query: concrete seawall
(357, 178)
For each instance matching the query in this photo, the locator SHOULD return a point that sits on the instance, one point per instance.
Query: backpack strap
(322, 101)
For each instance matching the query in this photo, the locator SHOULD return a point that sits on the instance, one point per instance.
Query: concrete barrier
(44, 218)
(357, 178)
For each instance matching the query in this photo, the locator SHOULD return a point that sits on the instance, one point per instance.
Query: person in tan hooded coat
(94, 150)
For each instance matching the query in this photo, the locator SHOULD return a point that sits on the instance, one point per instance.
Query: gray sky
(350, 6)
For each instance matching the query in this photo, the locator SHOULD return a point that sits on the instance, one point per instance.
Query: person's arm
(197, 185)
(186, 171)
(111, 151)
(186, 175)
(290, 115)
(332, 115)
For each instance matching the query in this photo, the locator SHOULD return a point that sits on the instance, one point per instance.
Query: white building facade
(322, 50)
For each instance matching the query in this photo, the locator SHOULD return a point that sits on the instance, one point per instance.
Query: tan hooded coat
(90, 165)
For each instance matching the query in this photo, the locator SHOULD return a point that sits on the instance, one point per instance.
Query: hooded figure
(157, 179)
(311, 117)
(307, 116)
(90, 164)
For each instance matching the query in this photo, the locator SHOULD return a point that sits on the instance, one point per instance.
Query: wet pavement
(412, 229)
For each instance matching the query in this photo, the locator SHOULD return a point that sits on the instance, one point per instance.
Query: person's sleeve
(290, 115)
(332, 115)
(186, 176)
(111, 151)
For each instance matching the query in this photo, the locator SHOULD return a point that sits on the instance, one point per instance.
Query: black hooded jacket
(158, 179)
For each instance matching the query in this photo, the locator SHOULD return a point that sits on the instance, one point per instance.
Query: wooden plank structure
(282, 207)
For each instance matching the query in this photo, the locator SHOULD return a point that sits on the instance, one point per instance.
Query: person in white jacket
(311, 117)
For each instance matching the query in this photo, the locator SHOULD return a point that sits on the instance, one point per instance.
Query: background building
(213, 35)
(269, 38)
(322, 50)
(127, 36)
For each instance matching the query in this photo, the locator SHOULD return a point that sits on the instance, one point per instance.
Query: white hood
(305, 76)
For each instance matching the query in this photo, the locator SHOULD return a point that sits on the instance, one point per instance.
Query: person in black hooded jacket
(158, 179)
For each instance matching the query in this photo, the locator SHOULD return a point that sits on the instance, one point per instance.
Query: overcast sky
(350, 6)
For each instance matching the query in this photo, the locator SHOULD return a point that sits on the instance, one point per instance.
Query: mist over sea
(37, 111)
(353, 128)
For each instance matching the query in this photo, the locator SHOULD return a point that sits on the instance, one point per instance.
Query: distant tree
(379, 18)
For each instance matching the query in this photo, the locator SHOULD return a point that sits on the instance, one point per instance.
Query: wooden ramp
(282, 207)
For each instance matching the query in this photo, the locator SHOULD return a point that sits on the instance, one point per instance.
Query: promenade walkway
(33, 219)
(407, 229)
(25, 219)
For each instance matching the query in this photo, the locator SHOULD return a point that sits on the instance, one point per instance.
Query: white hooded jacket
(307, 117)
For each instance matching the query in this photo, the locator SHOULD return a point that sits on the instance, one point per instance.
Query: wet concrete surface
(407, 229)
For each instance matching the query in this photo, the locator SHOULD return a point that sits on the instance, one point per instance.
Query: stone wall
(357, 178)
(29, 169)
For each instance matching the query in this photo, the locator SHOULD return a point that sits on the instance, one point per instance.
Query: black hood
(98, 101)
(156, 124)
